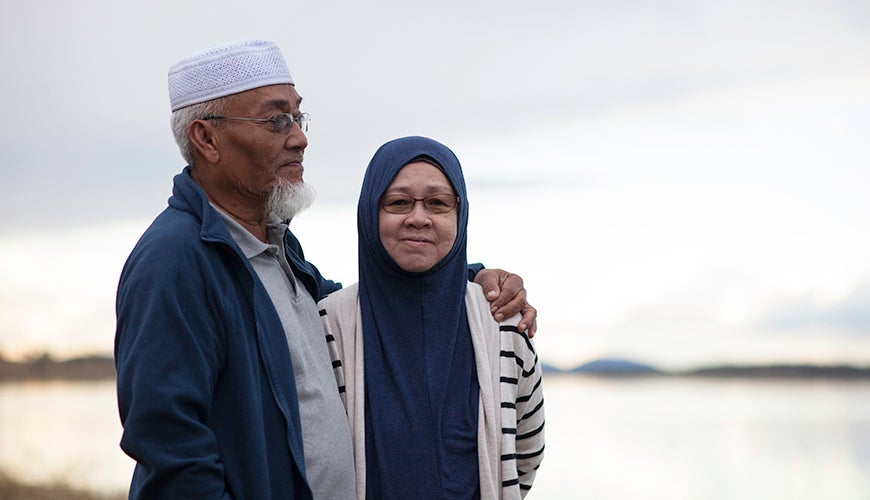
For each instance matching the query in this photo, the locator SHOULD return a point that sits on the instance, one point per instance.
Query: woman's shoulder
(475, 298)
(475, 292)
(341, 297)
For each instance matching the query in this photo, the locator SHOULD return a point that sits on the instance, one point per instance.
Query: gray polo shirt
(325, 431)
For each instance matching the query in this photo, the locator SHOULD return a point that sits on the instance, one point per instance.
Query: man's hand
(507, 297)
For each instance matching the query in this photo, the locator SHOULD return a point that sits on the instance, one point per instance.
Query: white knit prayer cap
(224, 70)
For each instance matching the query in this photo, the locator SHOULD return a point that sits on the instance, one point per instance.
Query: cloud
(850, 314)
(655, 173)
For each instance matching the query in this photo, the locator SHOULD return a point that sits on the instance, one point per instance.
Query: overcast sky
(681, 181)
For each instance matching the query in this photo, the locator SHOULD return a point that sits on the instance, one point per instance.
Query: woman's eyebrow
(428, 188)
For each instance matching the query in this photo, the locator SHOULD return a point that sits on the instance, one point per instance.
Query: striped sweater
(511, 420)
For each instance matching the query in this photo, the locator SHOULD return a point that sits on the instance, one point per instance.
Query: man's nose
(296, 139)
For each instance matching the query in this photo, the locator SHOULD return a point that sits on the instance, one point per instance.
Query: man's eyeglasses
(434, 204)
(281, 124)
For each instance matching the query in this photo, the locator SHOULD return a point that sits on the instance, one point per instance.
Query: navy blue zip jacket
(205, 383)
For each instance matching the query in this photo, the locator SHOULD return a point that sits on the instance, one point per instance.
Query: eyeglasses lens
(284, 122)
(303, 121)
(435, 204)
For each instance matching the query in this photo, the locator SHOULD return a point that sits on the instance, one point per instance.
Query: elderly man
(225, 387)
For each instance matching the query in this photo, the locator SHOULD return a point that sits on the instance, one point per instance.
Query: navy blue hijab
(421, 391)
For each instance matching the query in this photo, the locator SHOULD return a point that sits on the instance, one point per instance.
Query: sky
(678, 182)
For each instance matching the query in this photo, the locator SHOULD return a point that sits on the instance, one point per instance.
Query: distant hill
(616, 367)
(547, 368)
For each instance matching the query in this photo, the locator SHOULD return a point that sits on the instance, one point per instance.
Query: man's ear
(202, 140)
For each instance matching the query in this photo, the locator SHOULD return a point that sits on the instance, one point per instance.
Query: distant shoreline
(625, 368)
(100, 367)
(87, 368)
(796, 372)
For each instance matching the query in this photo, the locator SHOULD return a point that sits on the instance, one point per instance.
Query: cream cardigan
(510, 440)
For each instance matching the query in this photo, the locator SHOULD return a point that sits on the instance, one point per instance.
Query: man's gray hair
(181, 118)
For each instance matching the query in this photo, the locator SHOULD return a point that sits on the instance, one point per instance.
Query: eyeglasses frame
(299, 120)
(414, 204)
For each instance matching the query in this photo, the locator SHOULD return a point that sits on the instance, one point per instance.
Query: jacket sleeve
(473, 269)
(314, 282)
(168, 355)
(530, 412)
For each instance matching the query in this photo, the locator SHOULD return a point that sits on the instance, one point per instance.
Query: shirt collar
(249, 244)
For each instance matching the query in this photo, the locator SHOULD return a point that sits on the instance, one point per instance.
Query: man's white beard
(287, 198)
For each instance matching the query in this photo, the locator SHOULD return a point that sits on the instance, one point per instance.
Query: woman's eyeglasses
(404, 204)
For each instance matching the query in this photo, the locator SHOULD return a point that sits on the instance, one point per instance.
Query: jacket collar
(189, 197)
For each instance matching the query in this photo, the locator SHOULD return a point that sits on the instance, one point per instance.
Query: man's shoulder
(171, 244)
(172, 231)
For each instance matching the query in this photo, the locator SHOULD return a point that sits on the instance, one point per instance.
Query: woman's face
(418, 239)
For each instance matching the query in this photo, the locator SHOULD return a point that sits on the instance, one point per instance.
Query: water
(663, 438)
(649, 438)
(63, 431)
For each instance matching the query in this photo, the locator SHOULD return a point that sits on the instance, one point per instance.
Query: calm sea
(643, 438)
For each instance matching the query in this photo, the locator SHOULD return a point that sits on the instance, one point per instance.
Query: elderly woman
(443, 401)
